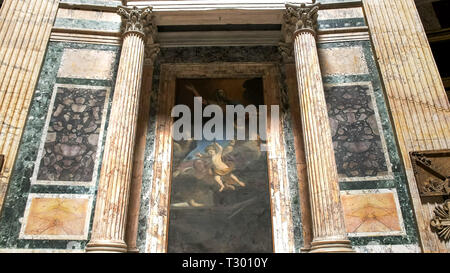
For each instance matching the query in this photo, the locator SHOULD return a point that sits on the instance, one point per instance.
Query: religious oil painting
(219, 199)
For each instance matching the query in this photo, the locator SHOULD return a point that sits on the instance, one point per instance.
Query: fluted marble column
(108, 231)
(329, 233)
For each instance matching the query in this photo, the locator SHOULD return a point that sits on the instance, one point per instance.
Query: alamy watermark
(241, 123)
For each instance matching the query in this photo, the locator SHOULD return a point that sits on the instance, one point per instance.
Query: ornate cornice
(137, 20)
(300, 18)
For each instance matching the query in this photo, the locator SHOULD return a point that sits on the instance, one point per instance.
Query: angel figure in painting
(220, 170)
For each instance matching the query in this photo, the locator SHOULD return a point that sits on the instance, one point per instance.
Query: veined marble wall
(374, 192)
(88, 20)
(49, 204)
(55, 176)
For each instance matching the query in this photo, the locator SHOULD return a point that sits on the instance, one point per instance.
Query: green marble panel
(341, 23)
(86, 24)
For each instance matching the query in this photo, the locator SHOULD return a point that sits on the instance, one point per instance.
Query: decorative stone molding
(137, 20)
(151, 52)
(441, 220)
(297, 18)
(287, 52)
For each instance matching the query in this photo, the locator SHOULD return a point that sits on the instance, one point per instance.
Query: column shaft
(108, 232)
(329, 233)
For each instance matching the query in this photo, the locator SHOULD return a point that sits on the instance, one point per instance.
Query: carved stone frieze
(300, 17)
(137, 20)
(441, 220)
(432, 172)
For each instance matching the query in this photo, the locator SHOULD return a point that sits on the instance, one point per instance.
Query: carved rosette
(441, 221)
(136, 20)
(299, 18)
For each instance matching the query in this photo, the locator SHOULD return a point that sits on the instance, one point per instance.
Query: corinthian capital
(301, 17)
(136, 20)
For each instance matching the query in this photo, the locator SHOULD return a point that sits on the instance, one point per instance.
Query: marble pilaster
(415, 91)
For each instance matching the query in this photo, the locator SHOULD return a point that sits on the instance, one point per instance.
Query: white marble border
(375, 248)
(397, 205)
(86, 58)
(389, 175)
(91, 183)
(24, 220)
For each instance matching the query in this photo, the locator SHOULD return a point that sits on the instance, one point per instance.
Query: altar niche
(240, 203)
(220, 198)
